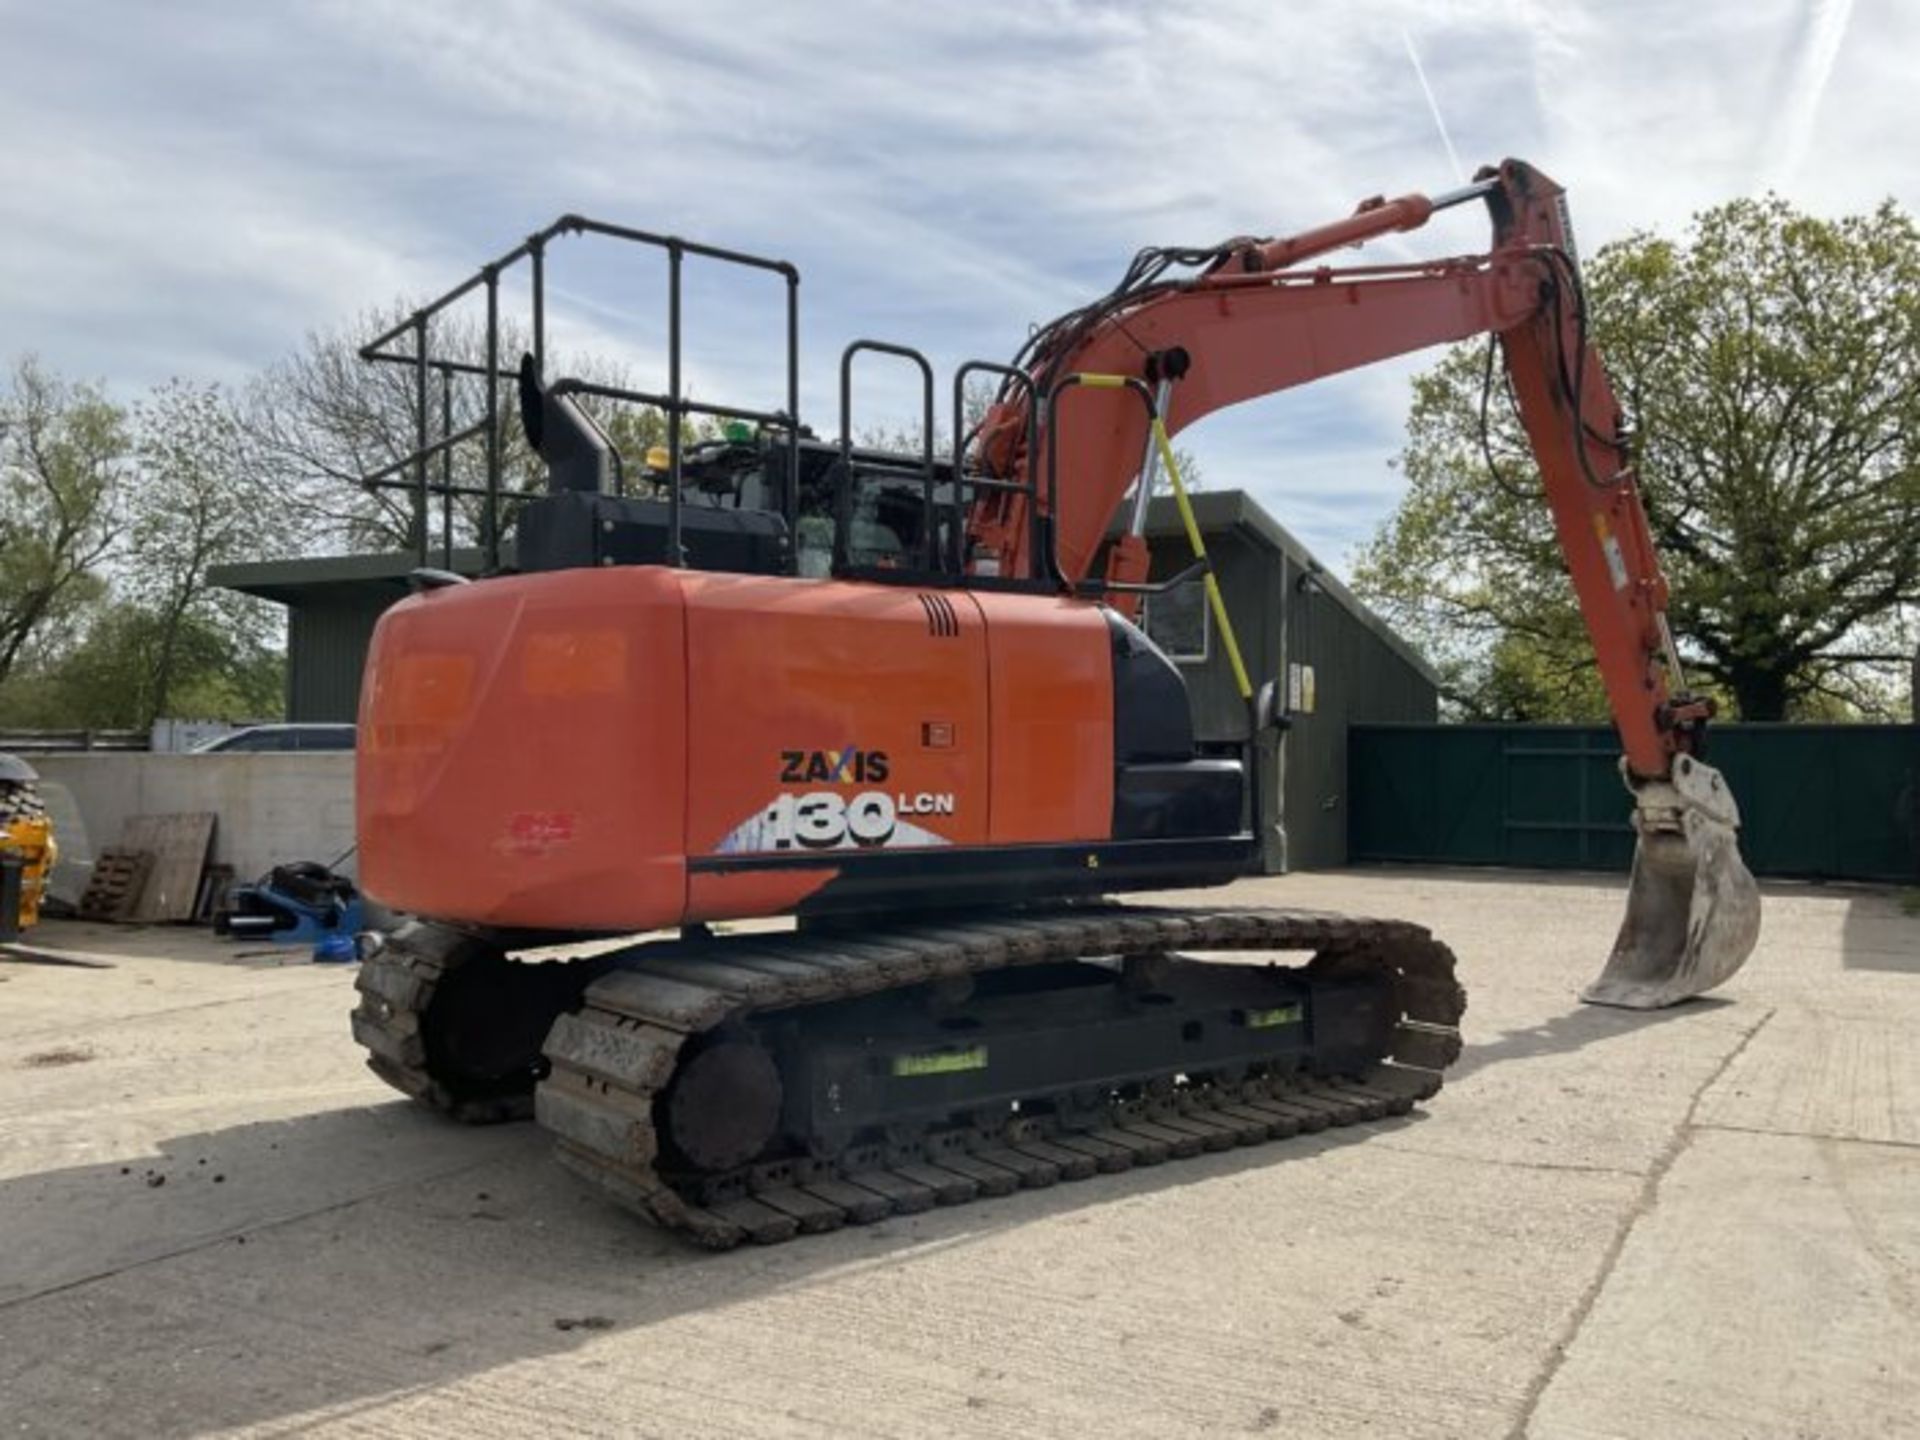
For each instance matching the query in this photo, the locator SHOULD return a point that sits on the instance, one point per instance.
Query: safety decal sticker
(1610, 547)
(940, 1062)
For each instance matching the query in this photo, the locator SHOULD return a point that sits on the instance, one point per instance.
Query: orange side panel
(551, 751)
(1051, 688)
(522, 752)
(830, 718)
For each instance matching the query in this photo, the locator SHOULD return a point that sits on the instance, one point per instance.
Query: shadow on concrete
(1580, 1027)
(1484, 875)
(1882, 932)
(204, 1308)
(17, 952)
(66, 941)
(1616, 880)
(84, 942)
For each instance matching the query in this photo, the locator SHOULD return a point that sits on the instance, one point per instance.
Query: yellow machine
(27, 851)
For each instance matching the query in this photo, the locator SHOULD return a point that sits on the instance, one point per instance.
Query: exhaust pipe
(1693, 909)
(578, 453)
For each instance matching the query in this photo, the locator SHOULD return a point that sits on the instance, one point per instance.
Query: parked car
(280, 737)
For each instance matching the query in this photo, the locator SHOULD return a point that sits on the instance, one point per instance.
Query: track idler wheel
(723, 1108)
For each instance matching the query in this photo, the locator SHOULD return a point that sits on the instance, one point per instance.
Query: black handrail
(446, 443)
(674, 402)
(844, 495)
(536, 242)
(1200, 567)
(1021, 380)
(1043, 518)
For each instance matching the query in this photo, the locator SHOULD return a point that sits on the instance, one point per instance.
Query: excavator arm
(1258, 318)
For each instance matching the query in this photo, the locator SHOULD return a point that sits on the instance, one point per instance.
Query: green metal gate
(1817, 801)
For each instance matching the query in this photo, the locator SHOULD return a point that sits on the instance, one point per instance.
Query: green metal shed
(332, 602)
(1337, 662)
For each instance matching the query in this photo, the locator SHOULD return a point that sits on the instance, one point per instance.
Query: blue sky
(187, 188)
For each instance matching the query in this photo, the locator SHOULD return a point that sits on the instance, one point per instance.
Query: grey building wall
(271, 808)
(332, 603)
(1286, 609)
(326, 648)
(1361, 679)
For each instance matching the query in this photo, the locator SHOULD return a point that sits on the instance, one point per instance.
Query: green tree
(107, 679)
(63, 448)
(109, 519)
(196, 502)
(321, 419)
(1771, 366)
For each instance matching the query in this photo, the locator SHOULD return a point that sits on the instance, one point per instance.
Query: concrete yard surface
(1700, 1222)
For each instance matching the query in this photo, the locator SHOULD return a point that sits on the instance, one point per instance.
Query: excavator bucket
(1693, 910)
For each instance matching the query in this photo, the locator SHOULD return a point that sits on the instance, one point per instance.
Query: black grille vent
(941, 619)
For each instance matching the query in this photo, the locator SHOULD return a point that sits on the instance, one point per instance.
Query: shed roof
(318, 578)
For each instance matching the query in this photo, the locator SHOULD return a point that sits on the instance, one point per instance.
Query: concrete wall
(271, 808)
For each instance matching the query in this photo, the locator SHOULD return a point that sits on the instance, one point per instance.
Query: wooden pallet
(180, 845)
(114, 889)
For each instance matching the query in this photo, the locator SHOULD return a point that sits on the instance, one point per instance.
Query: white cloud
(1826, 30)
(188, 188)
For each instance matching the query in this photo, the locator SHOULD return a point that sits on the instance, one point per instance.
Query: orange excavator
(895, 703)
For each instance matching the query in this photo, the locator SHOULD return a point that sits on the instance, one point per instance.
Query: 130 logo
(827, 820)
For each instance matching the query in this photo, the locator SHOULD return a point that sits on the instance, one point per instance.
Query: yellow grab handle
(1214, 602)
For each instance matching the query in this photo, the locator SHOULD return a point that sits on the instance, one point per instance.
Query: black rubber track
(448, 1019)
(613, 1056)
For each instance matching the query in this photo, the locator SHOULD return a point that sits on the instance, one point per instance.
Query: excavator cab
(752, 499)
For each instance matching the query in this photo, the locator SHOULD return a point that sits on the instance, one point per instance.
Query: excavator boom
(1256, 320)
